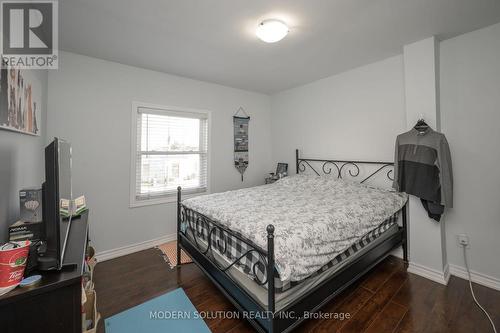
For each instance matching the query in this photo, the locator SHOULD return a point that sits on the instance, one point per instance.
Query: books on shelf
(22, 230)
(73, 207)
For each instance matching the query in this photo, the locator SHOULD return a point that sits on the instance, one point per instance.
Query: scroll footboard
(211, 239)
(204, 239)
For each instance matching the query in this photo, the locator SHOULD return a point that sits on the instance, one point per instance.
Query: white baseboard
(479, 278)
(121, 251)
(430, 273)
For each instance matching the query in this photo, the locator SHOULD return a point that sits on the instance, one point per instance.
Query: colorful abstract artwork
(20, 101)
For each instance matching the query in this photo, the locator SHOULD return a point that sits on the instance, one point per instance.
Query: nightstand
(274, 177)
(270, 180)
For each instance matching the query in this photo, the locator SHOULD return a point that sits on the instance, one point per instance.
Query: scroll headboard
(340, 169)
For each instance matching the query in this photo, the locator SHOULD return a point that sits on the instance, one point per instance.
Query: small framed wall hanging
(20, 101)
(240, 122)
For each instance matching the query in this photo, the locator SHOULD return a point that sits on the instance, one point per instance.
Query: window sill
(163, 200)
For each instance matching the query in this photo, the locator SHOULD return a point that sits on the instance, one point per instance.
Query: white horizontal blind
(172, 150)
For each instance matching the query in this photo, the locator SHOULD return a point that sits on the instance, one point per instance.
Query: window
(170, 149)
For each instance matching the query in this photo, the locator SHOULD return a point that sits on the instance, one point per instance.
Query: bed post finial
(179, 190)
(296, 161)
(270, 274)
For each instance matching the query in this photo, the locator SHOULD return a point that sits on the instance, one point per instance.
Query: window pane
(167, 133)
(160, 173)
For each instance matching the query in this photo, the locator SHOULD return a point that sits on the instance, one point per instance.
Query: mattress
(285, 298)
(226, 259)
(316, 219)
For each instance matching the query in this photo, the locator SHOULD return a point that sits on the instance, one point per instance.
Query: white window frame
(134, 202)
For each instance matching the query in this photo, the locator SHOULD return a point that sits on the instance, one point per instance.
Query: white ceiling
(214, 40)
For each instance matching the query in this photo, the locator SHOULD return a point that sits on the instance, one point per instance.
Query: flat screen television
(57, 187)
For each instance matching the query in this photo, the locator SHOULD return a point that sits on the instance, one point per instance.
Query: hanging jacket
(422, 167)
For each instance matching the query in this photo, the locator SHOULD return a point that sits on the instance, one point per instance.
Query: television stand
(55, 303)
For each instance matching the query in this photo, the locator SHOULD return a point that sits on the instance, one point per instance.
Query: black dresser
(54, 304)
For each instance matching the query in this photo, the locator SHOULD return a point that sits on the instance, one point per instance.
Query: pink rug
(169, 251)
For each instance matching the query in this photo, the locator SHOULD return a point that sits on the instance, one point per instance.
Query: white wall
(421, 63)
(357, 115)
(90, 104)
(21, 164)
(470, 114)
(353, 115)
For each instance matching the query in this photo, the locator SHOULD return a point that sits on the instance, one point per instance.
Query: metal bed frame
(285, 320)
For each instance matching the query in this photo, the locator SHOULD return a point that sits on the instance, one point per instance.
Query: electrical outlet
(463, 240)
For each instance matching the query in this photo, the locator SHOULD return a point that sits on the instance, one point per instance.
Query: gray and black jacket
(423, 168)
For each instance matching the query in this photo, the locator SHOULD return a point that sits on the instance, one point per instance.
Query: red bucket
(13, 258)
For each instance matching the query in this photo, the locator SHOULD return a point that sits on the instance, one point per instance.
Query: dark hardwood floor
(387, 299)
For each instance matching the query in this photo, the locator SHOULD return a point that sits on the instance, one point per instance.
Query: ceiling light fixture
(271, 31)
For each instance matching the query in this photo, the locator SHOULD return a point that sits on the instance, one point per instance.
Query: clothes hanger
(241, 109)
(421, 126)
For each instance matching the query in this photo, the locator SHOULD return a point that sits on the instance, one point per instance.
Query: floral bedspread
(315, 218)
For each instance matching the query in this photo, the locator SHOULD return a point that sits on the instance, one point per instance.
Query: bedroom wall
(21, 164)
(352, 115)
(90, 104)
(470, 114)
(357, 115)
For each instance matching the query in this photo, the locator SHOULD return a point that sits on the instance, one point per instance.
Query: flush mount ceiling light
(271, 31)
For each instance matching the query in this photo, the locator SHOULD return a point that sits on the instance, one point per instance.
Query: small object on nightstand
(275, 176)
(282, 170)
(271, 179)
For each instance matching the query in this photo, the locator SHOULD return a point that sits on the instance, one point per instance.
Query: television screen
(57, 192)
